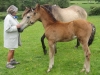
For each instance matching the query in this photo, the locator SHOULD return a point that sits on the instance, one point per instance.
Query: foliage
(21, 4)
(64, 3)
(86, 5)
(94, 11)
(3, 14)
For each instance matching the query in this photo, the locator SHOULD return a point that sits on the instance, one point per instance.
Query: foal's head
(35, 14)
(40, 13)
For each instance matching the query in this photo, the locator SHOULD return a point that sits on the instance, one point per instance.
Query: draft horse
(63, 14)
(57, 31)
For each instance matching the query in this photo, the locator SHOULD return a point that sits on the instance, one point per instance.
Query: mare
(65, 15)
(57, 31)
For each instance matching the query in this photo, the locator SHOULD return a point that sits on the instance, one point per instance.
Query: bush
(94, 11)
(3, 14)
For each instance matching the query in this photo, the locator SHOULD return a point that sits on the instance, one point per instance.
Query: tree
(4, 4)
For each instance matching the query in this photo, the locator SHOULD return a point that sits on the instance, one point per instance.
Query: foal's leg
(51, 55)
(43, 44)
(87, 53)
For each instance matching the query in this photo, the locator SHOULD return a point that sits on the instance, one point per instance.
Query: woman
(11, 35)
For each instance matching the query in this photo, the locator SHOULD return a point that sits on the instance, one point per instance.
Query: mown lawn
(68, 60)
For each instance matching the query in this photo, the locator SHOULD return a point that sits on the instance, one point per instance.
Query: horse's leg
(78, 43)
(51, 55)
(87, 53)
(43, 44)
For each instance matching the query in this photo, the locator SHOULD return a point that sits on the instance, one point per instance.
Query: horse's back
(69, 14)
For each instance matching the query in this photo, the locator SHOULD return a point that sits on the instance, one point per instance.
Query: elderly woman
(11, 35)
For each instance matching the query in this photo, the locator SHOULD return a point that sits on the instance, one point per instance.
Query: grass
(68, 60)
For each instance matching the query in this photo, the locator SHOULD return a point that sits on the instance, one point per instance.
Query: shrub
(94, 11)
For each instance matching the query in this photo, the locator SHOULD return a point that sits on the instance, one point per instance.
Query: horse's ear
(32, 9)
(37, 6)
(27, 8)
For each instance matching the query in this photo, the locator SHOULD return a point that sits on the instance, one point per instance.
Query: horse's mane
(48, 11)
(49, 7)
(27, 10)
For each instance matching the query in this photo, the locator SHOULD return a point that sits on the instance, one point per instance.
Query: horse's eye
(28, 17)
(34, 13)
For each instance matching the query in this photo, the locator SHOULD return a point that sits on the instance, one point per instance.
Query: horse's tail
(92, 35)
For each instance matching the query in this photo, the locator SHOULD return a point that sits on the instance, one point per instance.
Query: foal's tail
(92, 35)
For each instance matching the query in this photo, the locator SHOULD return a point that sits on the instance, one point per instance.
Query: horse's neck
(47, 19)
(55, 9)
(57, 12)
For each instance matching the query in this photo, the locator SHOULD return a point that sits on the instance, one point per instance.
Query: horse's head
(30, 16)
(25, 22)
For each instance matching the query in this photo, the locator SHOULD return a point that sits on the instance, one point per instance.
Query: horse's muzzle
(19, 30)
(31, 22)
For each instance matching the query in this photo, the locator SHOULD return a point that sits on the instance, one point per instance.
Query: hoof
(48, 70)
(76, 46)
(45, 52)
(82, 70)
(87, 70)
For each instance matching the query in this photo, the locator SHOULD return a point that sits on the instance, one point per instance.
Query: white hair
(12, 9)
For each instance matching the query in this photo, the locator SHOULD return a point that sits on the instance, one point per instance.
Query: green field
(68, 60)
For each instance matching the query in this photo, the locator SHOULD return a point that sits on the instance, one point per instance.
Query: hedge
(3, 14)
(94, 10)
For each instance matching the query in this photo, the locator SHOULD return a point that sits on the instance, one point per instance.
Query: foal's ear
(37, 6)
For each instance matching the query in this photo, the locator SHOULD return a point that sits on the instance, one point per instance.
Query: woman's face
(14, 13)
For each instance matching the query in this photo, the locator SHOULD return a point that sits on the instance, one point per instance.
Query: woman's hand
(18, 26)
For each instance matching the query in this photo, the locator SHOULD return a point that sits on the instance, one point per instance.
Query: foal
(56, 31)
(65, 15)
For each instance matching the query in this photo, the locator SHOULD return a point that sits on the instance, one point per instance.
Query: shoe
(10, 66)
(14, 62)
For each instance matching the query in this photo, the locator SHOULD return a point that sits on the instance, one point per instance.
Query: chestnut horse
(63, 14)
(57, 31)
